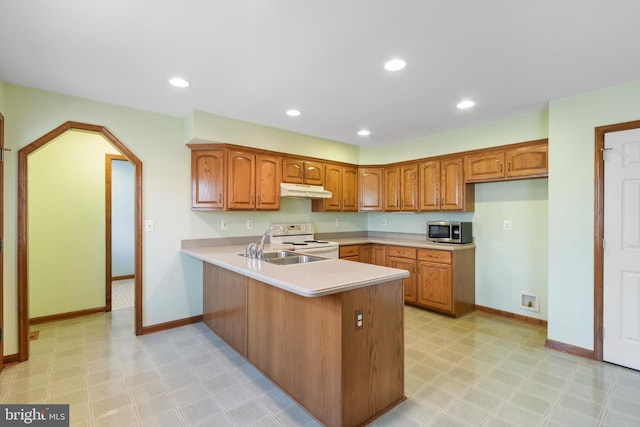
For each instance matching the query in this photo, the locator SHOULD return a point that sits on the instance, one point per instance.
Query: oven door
(323, 251)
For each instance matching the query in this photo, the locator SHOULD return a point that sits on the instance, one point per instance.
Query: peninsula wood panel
(224, 308)
(373, 355)
(296, 341)
(310, 347)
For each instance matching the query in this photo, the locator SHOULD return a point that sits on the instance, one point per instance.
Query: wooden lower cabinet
(350, 252)
(311, 347)
(404, 257)
(446, 281)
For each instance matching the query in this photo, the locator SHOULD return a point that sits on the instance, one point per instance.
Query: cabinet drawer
(435, 256)
(349, 250)
(401, 252)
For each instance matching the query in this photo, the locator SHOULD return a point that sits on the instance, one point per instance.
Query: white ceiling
(254, 59)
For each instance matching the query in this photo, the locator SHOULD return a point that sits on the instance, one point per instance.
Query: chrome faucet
(256, 250)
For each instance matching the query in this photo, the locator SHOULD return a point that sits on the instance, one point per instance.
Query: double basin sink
(288, 257)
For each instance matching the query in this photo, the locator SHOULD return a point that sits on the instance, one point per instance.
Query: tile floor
(122, 293)
(480, 370)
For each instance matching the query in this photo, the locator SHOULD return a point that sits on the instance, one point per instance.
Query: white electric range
(300, 238)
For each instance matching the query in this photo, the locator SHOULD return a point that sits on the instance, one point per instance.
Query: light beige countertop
(424, 244)
(312, 279)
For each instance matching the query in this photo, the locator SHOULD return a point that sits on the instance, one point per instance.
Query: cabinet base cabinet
(446, 281)
(342, 374)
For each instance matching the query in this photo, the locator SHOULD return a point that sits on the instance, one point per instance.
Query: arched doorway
(23, 279)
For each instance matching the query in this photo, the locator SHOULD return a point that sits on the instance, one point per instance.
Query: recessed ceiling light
(395, 65)
(179, 82)
(293, 113)
(467, 103)
(364, 132)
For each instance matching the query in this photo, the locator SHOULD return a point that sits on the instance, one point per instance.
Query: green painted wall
(571, 205)
(66, 210)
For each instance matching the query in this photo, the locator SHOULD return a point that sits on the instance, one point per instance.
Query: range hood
(305, 191)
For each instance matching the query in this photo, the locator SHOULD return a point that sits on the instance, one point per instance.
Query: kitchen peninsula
(330, 333)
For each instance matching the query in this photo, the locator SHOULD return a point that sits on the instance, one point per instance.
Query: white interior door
(621, 317)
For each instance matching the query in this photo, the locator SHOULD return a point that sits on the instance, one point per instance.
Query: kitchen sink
(288, 258)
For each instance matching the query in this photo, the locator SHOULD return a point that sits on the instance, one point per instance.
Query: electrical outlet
(337, 222)
(249, 224)
(148, 225)
(506, 225)
(224, 225)
(359, 320)
(384, 222)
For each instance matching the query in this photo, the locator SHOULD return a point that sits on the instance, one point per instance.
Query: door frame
(109, 159)
(2, 153)
(23, 280)
(598, 235)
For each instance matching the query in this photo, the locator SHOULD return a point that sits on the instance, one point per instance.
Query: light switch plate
(148, 225)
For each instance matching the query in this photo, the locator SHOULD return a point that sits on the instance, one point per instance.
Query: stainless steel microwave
(449, 232)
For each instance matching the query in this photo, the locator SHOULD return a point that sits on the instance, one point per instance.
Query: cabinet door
(410, 291)
(292, 171)
(528, 161)
(409, 188)
(484, 167)
(370, 189)
(350, 189)
(365, 253)
(207, 179)
(314, 173)
(242, 180)
(379, 254)
(333, 182)
(268, 178)
(452, 185)
(435, 285)
(392, 189)
(430, 186)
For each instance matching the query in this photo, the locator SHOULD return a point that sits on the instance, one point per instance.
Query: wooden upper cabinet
(484, 167)
(333, 182)
(455, 195)
(392, 188)
(208, 179)
(342, 181)
(430, 186)
(350, 189)
(242, 180)
(268, 179)
(527, 161)
(409, 188)
(297, 171)
(401, 188)
(234, 179)
(370, 189)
